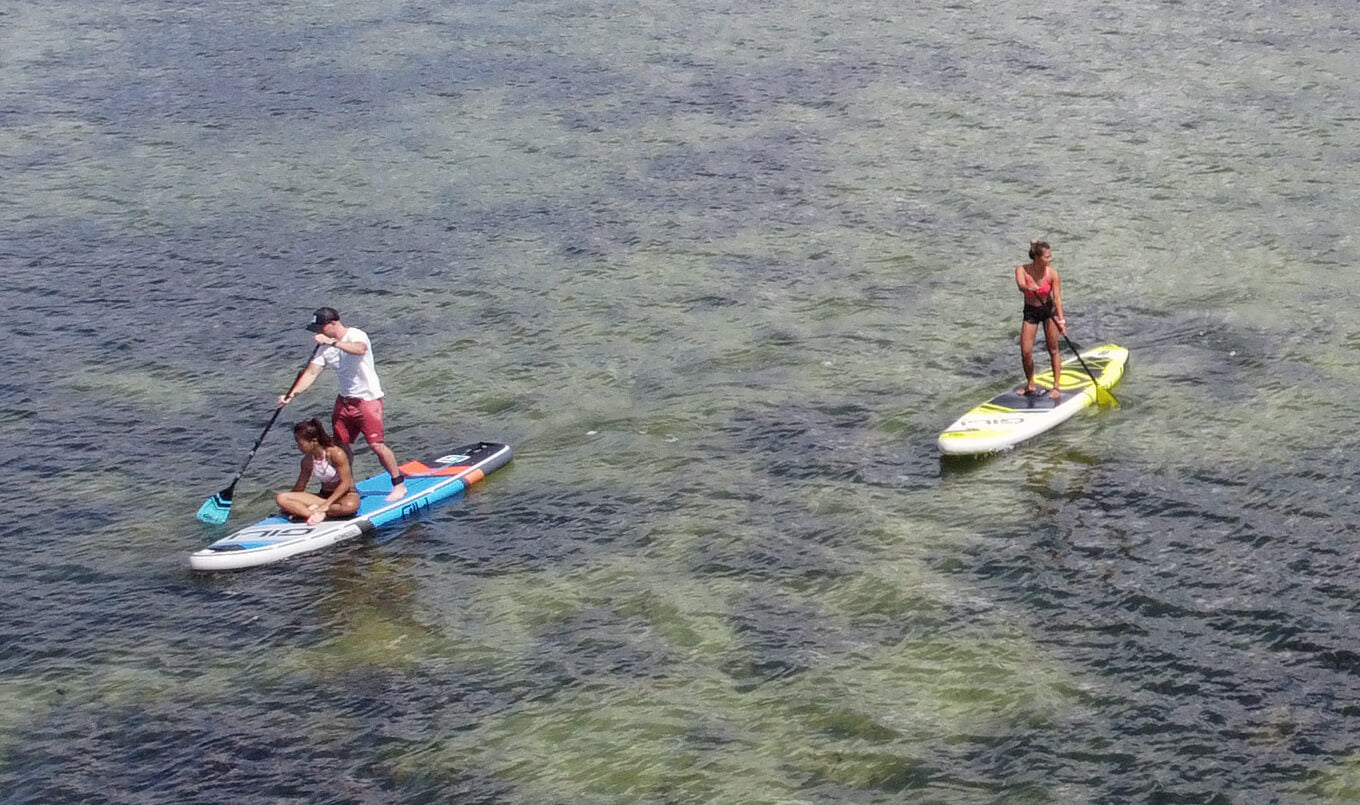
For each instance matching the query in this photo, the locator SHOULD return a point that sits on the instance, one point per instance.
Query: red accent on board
(421, 468)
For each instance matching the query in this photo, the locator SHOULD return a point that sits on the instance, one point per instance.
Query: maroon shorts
(353, 416)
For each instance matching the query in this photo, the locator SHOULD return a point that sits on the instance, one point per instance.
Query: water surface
(720, 274)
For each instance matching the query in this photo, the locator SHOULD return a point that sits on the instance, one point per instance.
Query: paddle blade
(216, 509)
(1105, 397)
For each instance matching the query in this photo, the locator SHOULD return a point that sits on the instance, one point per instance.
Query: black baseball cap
(322, 317)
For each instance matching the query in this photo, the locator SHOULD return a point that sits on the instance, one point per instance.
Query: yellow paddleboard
(1011, 418)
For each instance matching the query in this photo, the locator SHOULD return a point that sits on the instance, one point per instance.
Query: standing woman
(326, 462)
(1038, 281)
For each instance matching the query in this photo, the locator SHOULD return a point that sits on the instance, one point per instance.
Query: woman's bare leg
(1027, 333)
(1051, 341)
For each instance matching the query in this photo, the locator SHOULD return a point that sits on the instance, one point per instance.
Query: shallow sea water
(720, 274)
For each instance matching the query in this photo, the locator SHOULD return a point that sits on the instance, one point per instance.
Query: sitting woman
(324, 461)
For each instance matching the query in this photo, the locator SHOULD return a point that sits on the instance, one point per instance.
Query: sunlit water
(720, 274)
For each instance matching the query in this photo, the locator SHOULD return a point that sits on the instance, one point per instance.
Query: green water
(720, 274)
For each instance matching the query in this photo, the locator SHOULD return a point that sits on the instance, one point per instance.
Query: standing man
(359, 407)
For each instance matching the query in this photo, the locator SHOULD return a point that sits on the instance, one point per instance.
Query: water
(720, 274)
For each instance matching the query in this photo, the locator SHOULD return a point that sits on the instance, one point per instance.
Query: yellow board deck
(1010, 418)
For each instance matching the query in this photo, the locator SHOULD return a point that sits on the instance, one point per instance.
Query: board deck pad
(428, 483)
(1010, 417)
(1030, 402)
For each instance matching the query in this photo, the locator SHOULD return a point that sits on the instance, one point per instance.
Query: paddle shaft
(278, 410)
(1094, 385)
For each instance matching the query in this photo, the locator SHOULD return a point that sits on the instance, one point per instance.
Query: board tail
(1109, 397)
(215, 509)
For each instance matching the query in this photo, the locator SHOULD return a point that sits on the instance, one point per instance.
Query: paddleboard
(427, 483)
(1011, 418)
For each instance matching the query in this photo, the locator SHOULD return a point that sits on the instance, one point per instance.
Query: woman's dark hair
(313, 431)
(1036, 248)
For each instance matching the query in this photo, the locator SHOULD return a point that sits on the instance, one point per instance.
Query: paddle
(1098, 388)
(217, 508)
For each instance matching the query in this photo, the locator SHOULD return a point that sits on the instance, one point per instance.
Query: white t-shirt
(356, 374)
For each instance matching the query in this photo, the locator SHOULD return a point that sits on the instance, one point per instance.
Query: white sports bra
(325, 472)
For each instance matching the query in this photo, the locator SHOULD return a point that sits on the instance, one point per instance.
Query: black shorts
(1038, 314)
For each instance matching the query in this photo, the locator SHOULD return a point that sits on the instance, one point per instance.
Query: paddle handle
(278, 410)
(258, 442)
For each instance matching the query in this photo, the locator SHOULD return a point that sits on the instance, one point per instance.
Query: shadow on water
(954, 467)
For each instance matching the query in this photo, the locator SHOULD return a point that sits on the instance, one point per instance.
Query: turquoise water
(720, 274)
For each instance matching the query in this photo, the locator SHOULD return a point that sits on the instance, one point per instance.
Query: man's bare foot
(1025, 391)
(1055, 394)
(398, 492)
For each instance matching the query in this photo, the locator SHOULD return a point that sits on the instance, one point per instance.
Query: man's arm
(352, 347)
(304, 382)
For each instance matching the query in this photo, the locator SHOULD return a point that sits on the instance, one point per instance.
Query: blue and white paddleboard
(275, 538)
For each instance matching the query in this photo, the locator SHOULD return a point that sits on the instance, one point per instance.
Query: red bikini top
(1040, 295)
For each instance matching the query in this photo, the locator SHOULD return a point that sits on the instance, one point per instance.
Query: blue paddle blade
(215, 510)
